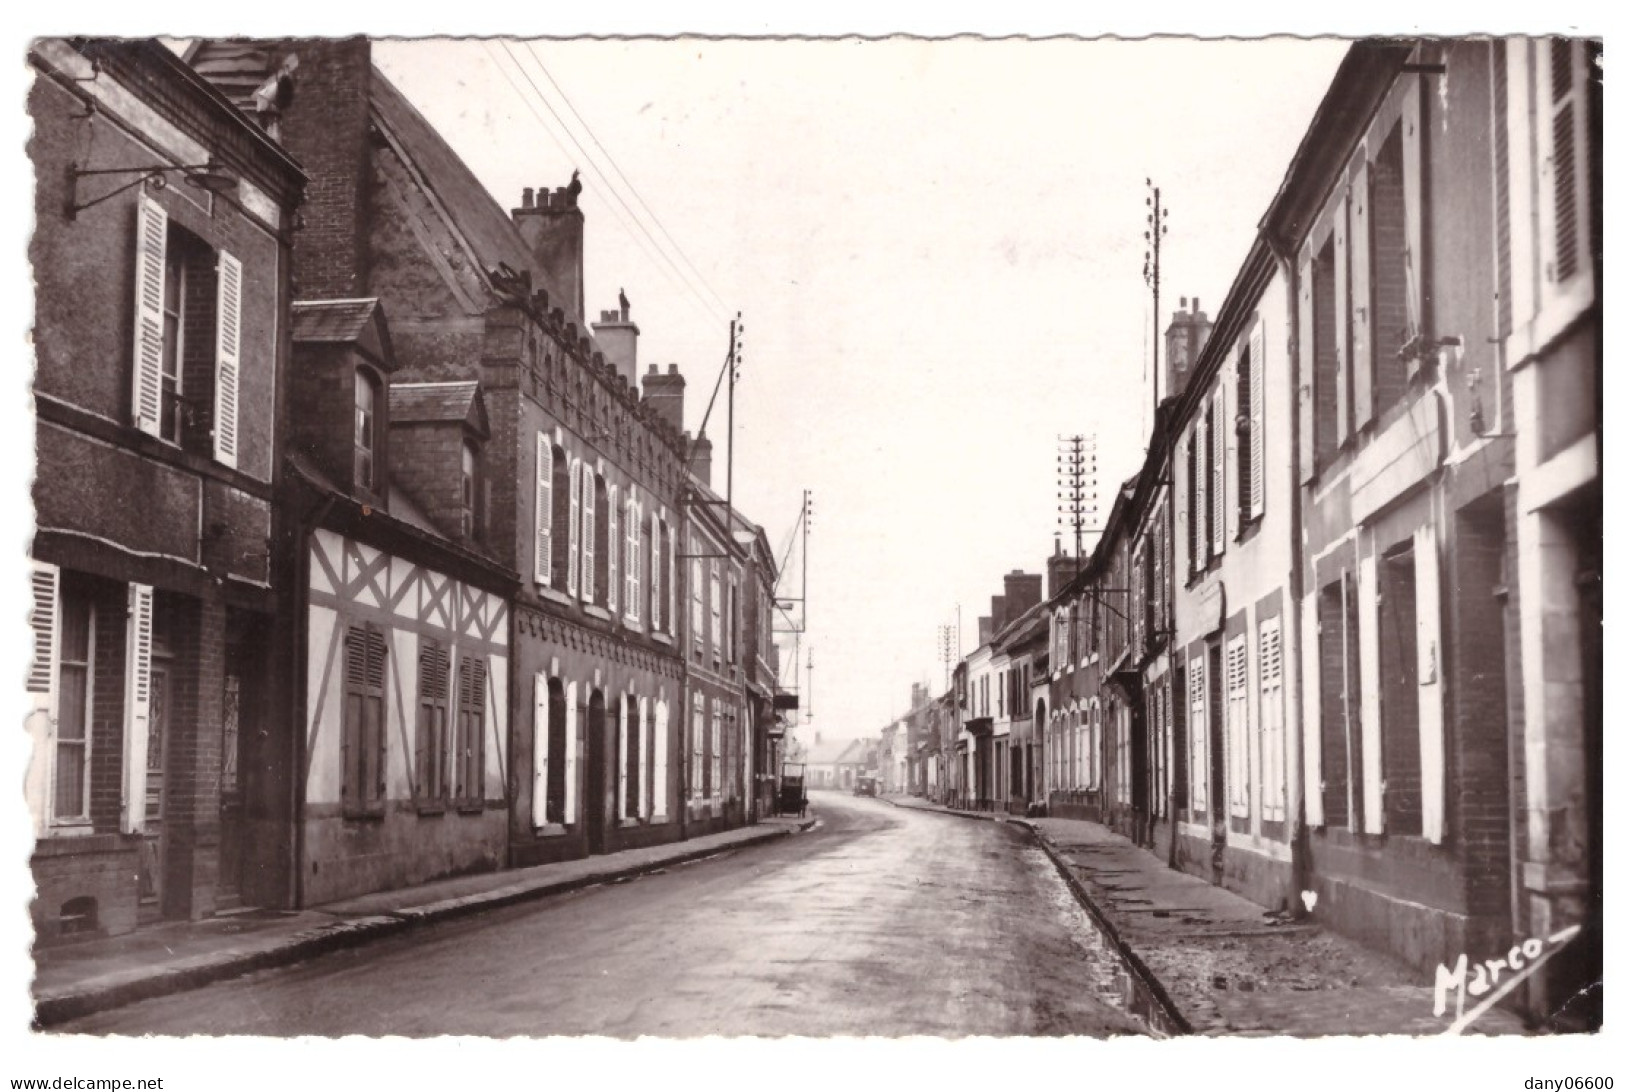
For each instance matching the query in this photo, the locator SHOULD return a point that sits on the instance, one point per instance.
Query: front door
(150, 876)
(228, 894)
(597, 771)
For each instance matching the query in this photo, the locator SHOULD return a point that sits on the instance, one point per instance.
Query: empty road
(881, 921)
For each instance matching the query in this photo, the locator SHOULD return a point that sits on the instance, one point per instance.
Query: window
(1197, 672)
(716, 610)
(572, 570)
(657, 532)
(1271, 719)
(187, 352)
(364, 785)
(543, 509)
(368, 396)
(1236, 726)
(634, 757)
(1244, 446)
(1328, 423)
(473, 501)
(612, 551)
(698, 770)
(434, 759)
(1218, 463)
(696, 593)
(1397, 660)
(70, 794)
(633, 565)
(592, 538)
(1339, 706)
(1396, 320)
(554, 774)
(469, 766)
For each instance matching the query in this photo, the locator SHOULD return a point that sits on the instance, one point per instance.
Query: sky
(937, 250)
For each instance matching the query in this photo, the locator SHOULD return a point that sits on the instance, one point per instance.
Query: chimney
(999, 612)
(1022, 591)
(664, 394)
(553, 227)
(1061, 568)
(617, 338)
(1187, 333)
(700, 461)
(984, 630)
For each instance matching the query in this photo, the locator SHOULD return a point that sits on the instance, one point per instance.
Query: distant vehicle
(865, 787)
(793, 789)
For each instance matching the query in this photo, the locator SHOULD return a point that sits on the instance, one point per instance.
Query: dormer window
(473, 501)
(367, 397)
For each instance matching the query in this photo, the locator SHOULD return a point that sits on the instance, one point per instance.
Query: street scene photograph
(1080, 541)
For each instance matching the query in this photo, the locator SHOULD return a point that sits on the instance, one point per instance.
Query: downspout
(300, 594)
(1300, 835)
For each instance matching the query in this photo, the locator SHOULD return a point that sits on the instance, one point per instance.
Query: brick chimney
(1187, 333)
(700, 458)
(998, 610)
(1022, 592)
(1060, 568)
(664, 394)
(984, 630)
(554, 228)
(617, 338)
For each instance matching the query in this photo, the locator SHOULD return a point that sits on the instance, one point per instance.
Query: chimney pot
(671, 369)
(654, 369)
(529, 199)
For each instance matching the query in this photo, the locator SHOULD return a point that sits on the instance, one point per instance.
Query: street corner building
(161, 254)
(1337, 646)
(409, 589)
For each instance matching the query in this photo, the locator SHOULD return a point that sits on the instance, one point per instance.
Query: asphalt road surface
(880, 921)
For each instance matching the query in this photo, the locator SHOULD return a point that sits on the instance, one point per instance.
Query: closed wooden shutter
(634, 561)
(1309, 643)
(1430, 685)
(228, 336)
(151, 244)
(137, 707)
(570, 713)
(1270, 709)
(1236, 727)
(1341, 286)
(573, 574)
(620, 757)
(1198, 703)
(656, 533)
(646, 751)
(612, 594)
(662, 743)
(1362, 324)
(434, 748)
(363, 734)
(45, 620)
(589, 535)
(1562, 167)
(544, 510)
(1308, 391)
(1366, 592)
(1257, 394)
(1201, 493)
(471, 673)
(1417, 302)
(1222, 429)
(539, 745)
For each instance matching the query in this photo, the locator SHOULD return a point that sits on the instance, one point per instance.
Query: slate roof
(459, 401)
(331, 320)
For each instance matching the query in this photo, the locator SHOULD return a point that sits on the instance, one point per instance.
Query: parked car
(866, 786)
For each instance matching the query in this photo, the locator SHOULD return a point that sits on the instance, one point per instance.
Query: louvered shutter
(655, 534)
(539, 754)
(570, 752)
(1201, 493)
(137, 707)
(46, 622)
(1416, 281)
(662, 742)
(1272, 799)
(228, 336)
(1366, 591)
(1224, 432)
(646, 760)
(151, 243)
(633, 566)
(573, 576)
(1430, 697)
(1562, 164)
(1309, 641)
(620, 758)
(1360, 295)
(589, 535)
(544, 510)
(1198, 700)
(1341, 287)
(1237, 735)
(1308, 391)
(1257, 393)
(612, 594)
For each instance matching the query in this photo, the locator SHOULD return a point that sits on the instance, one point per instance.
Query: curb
(1132, 961)
(53, 1010)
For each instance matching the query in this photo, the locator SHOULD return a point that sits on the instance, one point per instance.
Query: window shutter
(1562, 166)
(646, 763)
(1198, 700)
(570, 752)
(544, 510)
(1200, 534)
(589, 535)
(1236, 733)
(147, 390)
(573, 574)
(634, 560)
(137, 707)
(228, 336)
(46, 622)
(1340, 294)
(1307, 391)
(1309, 720)
(655, 534)
(539, 750)
(1223, 431)
(620, 759)
(1416, 284)
(1365, 589)
(1430, 698)
(1256, 395)
(1269, 710)
(662, 730)
(612, 594)
(1361, 301)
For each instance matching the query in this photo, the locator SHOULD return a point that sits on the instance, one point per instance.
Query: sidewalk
(1219, 963)
(74, 980)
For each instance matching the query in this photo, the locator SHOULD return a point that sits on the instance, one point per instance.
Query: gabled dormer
(339, 401)
(437, 434)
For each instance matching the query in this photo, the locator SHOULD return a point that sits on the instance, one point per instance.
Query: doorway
(150, 871)
(597, 772)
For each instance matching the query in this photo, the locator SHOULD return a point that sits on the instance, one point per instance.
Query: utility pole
(736, 354)
(1077, 487)
(1156, 227)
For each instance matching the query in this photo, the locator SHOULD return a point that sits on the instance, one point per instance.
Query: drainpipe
(1301, 872)
(300, 595)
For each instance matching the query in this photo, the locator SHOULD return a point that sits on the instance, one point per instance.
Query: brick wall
(428, 465)
(192, 757)
(326, 130)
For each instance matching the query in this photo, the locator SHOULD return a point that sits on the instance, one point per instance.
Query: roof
(457, 402)
(828, 751)
(357, 322)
